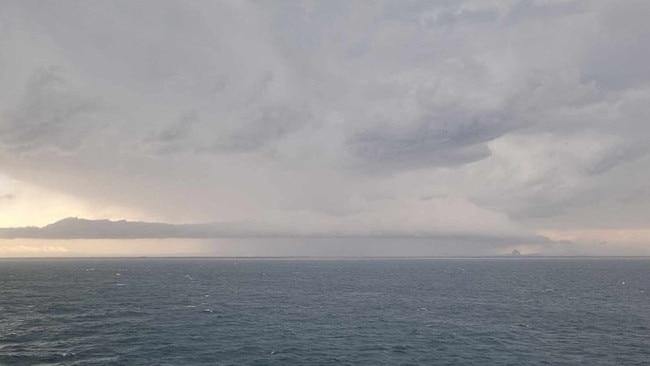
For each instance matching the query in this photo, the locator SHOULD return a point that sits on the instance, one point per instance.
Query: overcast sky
(524, 121)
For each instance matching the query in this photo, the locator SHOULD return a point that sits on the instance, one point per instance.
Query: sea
(207, 311)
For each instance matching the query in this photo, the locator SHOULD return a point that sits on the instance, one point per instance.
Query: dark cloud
(437, 140)
(180, 129)
(173, 137)
(50, 115)
(262, 126)
(617, 156)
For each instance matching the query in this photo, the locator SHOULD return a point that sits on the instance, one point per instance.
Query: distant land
(79, 228)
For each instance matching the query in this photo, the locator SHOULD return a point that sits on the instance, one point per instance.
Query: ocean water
(325, 312)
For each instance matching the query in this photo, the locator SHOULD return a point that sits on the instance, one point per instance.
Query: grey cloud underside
(49, 115)
(442, 139)
(178, 130)
(617, 156)
(264, 125)
(259, 128)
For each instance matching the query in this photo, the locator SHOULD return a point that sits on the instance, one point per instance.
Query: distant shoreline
(523, 257)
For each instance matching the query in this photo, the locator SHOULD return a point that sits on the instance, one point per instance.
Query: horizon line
(504, 256)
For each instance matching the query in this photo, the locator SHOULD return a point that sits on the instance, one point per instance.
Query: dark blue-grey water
(321, 312)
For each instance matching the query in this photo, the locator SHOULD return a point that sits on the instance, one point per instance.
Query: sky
(373, 127)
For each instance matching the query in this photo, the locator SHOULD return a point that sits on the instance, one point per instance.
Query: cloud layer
(493, 118)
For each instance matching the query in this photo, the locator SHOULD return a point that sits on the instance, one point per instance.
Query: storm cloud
(507, 119)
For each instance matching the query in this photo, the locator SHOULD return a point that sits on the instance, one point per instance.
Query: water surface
(322, 312)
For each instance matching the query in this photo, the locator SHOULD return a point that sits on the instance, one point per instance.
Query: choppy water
(312, 312)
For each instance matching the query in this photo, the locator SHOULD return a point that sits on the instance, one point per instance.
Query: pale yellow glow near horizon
(29, 205)
(17, 248)
(24, 204)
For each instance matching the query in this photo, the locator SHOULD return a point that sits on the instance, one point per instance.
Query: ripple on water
(469, 312)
